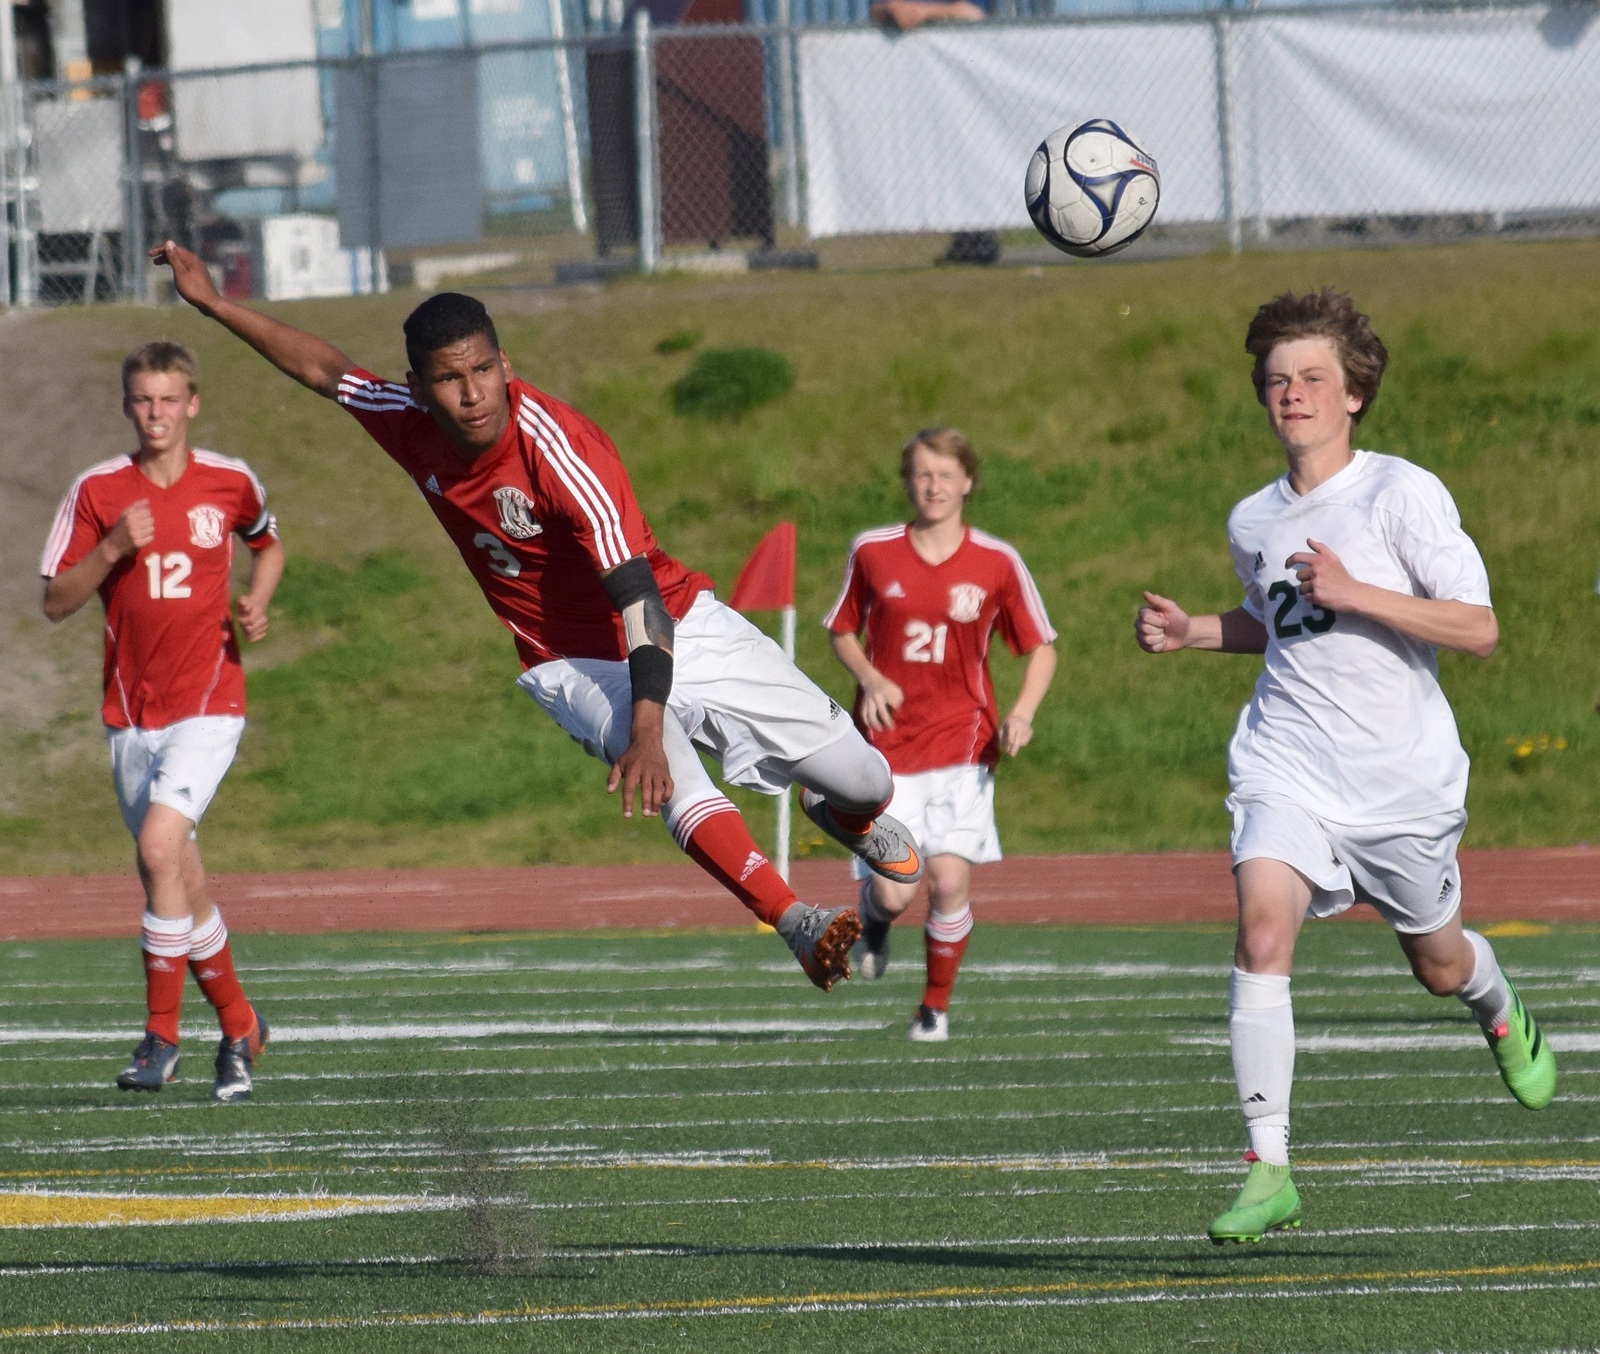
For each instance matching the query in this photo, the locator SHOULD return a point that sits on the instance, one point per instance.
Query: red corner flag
(766, 583)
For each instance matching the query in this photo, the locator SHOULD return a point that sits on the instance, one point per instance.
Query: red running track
(1498, 885)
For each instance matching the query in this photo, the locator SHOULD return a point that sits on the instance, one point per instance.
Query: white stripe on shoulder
(557, 463)
(217, 461)
(373, 395)
(1030, 591)
(585, 472)
(877, 536)
(55, 545)
(581, 483)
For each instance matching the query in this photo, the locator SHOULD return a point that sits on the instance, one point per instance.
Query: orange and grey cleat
(887, 847)
(821, 939)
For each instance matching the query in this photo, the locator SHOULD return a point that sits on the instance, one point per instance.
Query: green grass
(1113, 411)
(674, 1140)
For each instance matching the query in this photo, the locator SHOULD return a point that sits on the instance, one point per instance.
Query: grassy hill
(1113, 408)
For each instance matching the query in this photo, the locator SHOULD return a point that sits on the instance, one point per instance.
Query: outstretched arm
(1163, 626)
(313, 362)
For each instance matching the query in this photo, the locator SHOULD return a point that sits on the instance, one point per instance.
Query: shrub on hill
(728, 383)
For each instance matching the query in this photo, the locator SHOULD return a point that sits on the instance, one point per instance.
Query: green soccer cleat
(1267, 1202)
(1527, 1063)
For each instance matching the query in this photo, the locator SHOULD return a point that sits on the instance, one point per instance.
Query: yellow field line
(106, 1210)
(770, 1301)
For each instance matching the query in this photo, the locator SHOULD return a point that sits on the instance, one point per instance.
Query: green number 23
(1319, 620)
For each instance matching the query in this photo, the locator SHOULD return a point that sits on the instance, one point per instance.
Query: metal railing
(715, 146)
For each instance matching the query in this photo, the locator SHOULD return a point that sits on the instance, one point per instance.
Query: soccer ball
(1092, 189)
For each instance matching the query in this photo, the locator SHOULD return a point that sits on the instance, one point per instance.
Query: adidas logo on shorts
(1445, 891)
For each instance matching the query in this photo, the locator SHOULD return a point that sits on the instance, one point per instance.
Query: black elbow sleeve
(650, 671)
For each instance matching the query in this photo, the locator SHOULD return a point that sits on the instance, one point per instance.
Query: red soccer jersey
(928, 629)
(537, 517)
(171, 651)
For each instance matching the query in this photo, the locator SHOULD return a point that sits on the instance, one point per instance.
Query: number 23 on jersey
(1318, 620)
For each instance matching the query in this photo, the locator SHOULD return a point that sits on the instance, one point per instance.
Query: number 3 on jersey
(501, 560)
(924, 642)
(1319, 620)
(167, 573)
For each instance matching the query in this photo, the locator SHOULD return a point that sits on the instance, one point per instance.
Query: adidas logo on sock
(1257, 1098)
(753, 862)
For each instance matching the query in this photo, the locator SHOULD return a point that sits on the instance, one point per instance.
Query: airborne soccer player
(152, 532)
(1348, 777)
(622, 646)
(929, 596)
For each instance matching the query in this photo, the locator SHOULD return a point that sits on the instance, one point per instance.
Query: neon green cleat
(1527, 1063)
(1267, 1202)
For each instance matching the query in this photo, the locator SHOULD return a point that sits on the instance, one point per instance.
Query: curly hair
(941, 442)
(1325, 314)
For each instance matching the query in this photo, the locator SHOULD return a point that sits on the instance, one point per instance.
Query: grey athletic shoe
(887, 847)
(153, 1065)
(235, 1059)
(821, 939)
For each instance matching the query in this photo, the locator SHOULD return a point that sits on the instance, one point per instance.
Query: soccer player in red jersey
(152, 532)
(929, 596)
(623, 647)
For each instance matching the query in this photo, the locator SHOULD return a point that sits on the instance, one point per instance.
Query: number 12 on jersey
(924, 642)
(168, 572)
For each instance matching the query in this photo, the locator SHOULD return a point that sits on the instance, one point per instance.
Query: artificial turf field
(618, 1141)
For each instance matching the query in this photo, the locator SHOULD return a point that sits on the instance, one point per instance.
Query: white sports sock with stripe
(1261, 1032)
(1485, 994)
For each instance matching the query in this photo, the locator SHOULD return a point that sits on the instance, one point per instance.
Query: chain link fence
(768, 144)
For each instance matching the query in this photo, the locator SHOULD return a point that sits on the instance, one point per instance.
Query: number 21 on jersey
(924, 642)
(168, 573)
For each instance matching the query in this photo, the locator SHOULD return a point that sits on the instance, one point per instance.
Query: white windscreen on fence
(933, 130)
(1399, 114)
(1330, 115)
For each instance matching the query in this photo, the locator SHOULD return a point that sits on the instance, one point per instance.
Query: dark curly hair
(1325, 314)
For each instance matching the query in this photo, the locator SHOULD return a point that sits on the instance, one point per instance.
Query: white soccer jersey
(1348, 719)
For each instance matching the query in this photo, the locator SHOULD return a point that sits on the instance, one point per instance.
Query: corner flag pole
(766, 583)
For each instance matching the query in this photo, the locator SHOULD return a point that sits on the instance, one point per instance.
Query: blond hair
(161, 356)
(950, 442)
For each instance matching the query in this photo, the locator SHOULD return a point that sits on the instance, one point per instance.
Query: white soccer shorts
(1407, 871)
(950, 811)
(180, 766)
(734, 695)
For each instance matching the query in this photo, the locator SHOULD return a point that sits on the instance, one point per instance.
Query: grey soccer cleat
(153, 1065)
(235, 1059)
(887, 847)
(821, 939)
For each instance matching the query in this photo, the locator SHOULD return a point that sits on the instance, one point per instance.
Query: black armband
(631, 581)
(632, 588)
(650, 671)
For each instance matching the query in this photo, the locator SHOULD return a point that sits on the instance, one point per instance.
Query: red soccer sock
(946, 940)
(211, 962)
(165, 946)
(714, 836)
(855, 822)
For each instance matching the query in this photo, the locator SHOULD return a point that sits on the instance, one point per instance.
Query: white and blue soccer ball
(1092, 189)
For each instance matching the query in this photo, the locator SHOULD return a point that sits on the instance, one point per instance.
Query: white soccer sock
(1485, 993)
(210, 938)
(949, 927)
(166, 936)
(1261, 1032)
